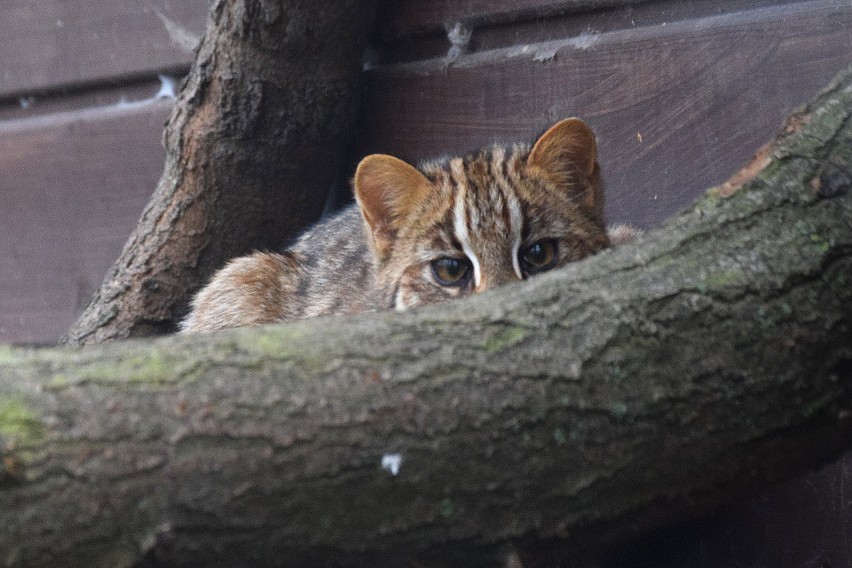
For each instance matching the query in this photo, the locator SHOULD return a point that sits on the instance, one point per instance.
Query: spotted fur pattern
(484, 208)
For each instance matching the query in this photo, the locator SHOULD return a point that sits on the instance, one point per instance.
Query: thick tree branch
(253, 145)
(558, 414)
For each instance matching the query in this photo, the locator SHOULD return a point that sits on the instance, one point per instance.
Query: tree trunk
(558, 414)
(253, 145)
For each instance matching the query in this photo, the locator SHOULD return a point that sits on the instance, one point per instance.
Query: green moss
(57, 381)
(767, 174)
(822, 128)
(821, 244)
(812, 408)
(710, 202)
(98, 373)
(764, 320)
(617, 372)
(19, 423)
(618, 409)
(559, 436)
(447, 508)
(289, 342)
(110, 555)
(276, 343)
(720, 279)
(809, 231)
(150, 367)
(804, 227)
(9, 355)
(711, 198)
(505, 337)
(120, 557)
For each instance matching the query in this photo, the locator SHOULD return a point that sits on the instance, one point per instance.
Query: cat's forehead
(475, 202)
(477, 170)
(489, 186)
(489, 201)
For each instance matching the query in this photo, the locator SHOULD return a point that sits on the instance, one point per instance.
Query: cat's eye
(451, 271)
(539, 256)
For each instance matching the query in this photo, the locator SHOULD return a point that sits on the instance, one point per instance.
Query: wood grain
(802, 523)
(72, 186)
(416, 17)
(56, 45)
(520, 27)
(676, 107)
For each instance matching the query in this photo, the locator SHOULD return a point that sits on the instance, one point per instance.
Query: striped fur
(484, 208)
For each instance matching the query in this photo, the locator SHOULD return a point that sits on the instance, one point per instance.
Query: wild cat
(417, 236)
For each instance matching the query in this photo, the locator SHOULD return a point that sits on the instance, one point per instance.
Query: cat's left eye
(451, 271)
(539, 256)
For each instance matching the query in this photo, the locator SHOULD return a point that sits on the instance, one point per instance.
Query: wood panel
(424, 16)
(433, 41)
(72, 186)
(647, 14)
(54, 44)
(677, 107)
(804, 522)
(101, 96)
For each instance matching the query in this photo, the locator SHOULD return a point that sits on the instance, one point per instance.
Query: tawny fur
(485, 208)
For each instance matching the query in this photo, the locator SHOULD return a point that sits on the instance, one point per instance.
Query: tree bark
(253, 145)
(559, 415)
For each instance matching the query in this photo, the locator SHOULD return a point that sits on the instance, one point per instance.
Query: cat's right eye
(449, 271)
(539, 256)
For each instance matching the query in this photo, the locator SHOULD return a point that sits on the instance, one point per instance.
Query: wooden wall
(79, 152)
(680, 93)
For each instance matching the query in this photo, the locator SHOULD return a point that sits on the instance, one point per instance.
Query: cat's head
(467, 224)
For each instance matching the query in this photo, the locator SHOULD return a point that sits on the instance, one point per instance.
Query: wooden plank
(53, 45)
(72, 186)
(803, 522)
(677, 107)
(102, 96)
(658, 12)
(519, 27)
(414, 17)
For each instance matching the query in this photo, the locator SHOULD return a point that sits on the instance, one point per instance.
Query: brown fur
(486, 210)
(256, 292)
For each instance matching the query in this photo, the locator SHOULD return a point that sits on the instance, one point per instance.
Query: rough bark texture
(557, 415)
(254, 143)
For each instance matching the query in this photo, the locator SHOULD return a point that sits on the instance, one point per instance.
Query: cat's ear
(387, 190)
(568, 150)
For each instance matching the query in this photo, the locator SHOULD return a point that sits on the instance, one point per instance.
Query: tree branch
(558, 414)
(253, 145)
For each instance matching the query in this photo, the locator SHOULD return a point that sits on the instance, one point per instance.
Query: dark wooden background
(680, 93)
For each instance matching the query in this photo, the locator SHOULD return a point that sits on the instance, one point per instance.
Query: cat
(418, 236)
